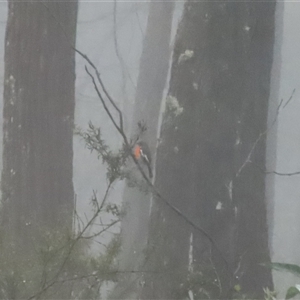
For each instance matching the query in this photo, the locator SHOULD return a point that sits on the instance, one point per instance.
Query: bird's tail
(150, 171)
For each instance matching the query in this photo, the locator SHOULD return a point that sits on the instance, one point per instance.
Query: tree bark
(38, 117)
(216, 111)
(153, 71)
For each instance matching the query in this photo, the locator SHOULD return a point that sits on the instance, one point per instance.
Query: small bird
(142, 154)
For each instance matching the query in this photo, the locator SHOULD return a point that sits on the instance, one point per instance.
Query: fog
(112, 34)
(286, 224)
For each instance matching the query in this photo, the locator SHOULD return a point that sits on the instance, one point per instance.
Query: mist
(96, 97)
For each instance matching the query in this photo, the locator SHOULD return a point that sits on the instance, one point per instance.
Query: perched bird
(143, 155)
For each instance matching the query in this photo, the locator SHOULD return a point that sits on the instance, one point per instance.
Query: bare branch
(101, 231)
(283, 174)
(101, 84)
(291, 97)
(262, 134)
(102, 100)
(275, 172)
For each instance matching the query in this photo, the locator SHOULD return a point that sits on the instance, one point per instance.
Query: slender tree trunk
(271, 146)
(38, 117)
(206, 163)
(152, 78)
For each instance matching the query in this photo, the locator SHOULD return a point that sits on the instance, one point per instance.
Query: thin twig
(101, 84)
(103, 101)
(291, 97)
(275, 172)
(262, 134)
(101, 231)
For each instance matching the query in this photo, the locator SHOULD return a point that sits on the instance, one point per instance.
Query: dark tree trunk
(154, 65)
(216, 110)
(38, 117)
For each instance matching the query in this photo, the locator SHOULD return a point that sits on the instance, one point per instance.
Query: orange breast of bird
(137, 151)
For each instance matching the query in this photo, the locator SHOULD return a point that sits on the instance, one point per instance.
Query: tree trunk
(154, 65)
(38, 117)
(210, 148)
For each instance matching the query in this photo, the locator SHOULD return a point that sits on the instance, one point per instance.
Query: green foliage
(239, 295)
(270, 295)
(291, 268)
(57, 268)
(114, 161)
(292, 292)
(294, 269)
(117, 167)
